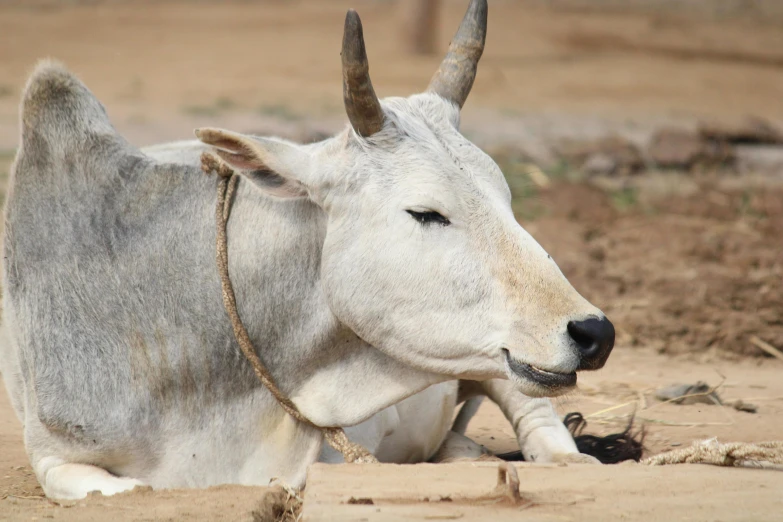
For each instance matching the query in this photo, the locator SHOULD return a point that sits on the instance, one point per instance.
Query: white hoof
(76, 481)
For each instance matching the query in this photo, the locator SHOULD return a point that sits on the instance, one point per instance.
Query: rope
(227, 183)
(764, 455)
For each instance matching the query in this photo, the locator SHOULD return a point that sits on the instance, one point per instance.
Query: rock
(698, 393)
(719, 152)
(753, 130)
(744, 406)
(611, 155)
(676, 148)
(762, 159)
(599, 164)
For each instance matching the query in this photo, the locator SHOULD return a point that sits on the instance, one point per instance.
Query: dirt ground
(687, 265)
(694, 273)
(549, 493)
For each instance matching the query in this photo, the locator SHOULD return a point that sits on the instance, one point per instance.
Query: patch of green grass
(225, 103)
(624, 199)
(524, 192)
(282, 112)
(564, 171)
(746, 208)
(527, 205)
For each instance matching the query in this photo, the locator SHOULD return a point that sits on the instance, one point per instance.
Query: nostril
(583, 337)
(595, 339)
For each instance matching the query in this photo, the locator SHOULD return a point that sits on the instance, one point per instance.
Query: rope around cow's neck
(227, 183)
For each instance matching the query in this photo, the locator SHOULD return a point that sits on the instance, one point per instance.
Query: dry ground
(689, 267)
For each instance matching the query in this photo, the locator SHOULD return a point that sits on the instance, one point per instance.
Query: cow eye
(425, 218)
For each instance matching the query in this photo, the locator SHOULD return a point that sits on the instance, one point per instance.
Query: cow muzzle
(594, 339)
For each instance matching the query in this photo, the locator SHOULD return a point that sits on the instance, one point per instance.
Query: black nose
(595, 340)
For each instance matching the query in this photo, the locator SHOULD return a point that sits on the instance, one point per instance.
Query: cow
(380, 273)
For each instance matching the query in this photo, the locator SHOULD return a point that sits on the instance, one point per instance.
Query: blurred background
(641, 138)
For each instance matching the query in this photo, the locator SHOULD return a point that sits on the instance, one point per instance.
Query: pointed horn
(361, 103)
(457, 71)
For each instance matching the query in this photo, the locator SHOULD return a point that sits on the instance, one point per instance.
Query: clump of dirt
(278, 504)
(683, 273)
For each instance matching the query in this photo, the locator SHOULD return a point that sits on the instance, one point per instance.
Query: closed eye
(426, 218)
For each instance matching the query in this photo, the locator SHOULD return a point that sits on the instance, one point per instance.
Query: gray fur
(112, 292)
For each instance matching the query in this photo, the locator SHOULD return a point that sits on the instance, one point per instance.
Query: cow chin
(537, 382)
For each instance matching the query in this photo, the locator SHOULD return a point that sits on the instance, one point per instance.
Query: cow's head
(423, 257)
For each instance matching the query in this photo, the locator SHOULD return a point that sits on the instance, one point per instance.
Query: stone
(609, 155)
(760, 159)
(599, 164)
(676, 148)
(751, 130)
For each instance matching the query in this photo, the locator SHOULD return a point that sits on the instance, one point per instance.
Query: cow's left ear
(275, 166)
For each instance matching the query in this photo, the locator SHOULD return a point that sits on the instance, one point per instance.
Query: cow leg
(64, 480)
(457, 447)
(541, 435)
(419, 425)
(466, 412)
(470, 394)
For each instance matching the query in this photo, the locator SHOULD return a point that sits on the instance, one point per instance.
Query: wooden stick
(613, 419)
(606, 410)
(765, 346)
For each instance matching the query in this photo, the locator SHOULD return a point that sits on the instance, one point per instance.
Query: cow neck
(227, 182)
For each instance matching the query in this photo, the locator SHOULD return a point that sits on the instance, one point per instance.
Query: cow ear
(275, 166)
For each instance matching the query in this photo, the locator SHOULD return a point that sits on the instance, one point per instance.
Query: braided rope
(765, 455)
(227, 183)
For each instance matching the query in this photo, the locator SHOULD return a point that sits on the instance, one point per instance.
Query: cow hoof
(72, 481)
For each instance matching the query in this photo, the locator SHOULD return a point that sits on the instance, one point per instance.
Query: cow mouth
(545, 378)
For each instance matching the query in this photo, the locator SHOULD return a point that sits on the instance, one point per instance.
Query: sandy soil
(548, 493)
(688, 266)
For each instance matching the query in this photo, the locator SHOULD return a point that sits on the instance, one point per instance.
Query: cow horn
(457, 71)
(361, 103)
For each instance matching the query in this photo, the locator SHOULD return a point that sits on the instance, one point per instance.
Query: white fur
(367, 316)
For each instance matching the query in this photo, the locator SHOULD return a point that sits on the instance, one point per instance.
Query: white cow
(373, 271)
